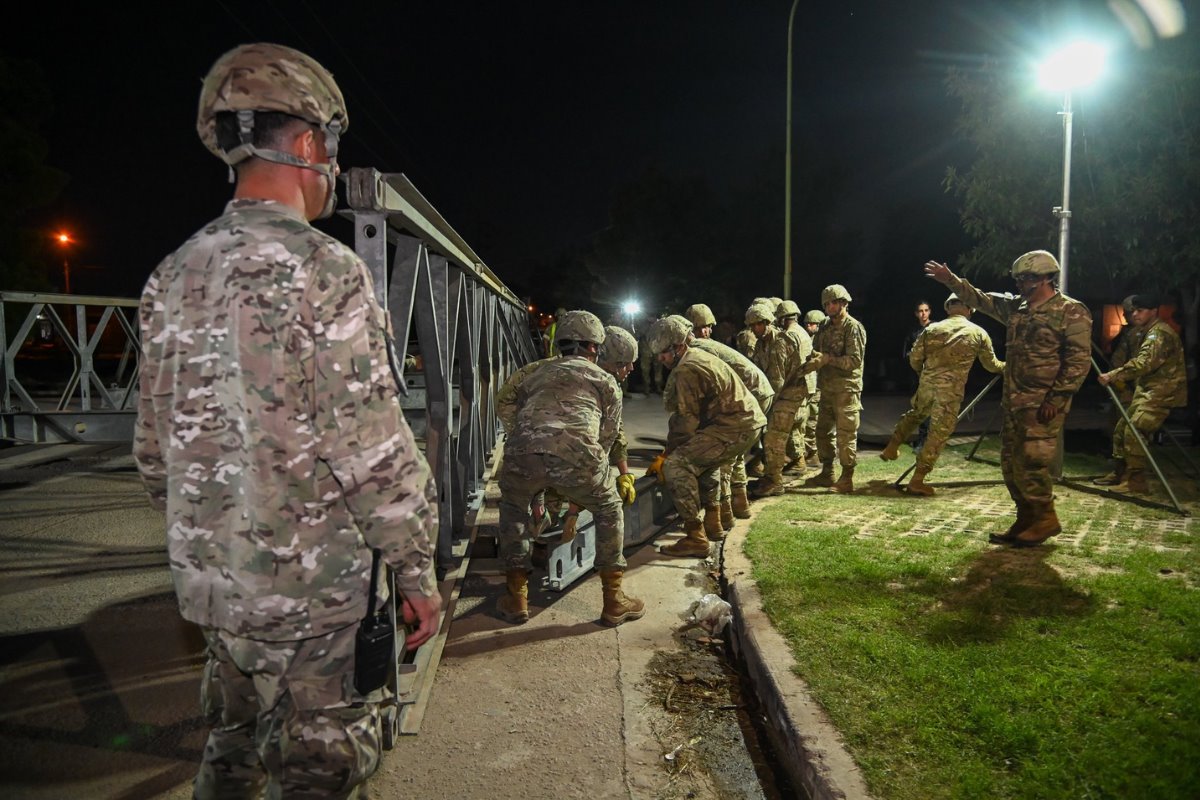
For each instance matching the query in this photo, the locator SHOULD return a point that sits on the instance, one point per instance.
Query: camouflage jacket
(1158, 368)
(1047, 348)
(269, 429)
(744, 342)
(1125, 345)
(806, 349)
(566, 407)
(843, 342)
(945, 351)
(780, 355)
(753, 377)
(707, 394)
(506, 409)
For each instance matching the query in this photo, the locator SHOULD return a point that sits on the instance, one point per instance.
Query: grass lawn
(955, 668)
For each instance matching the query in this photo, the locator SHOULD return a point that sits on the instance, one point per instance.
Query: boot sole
(514, 619)
(628, 616)
(691, 554)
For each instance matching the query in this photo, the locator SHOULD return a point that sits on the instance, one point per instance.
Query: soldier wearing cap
(1048, 354)
(1160, 377)
(713, 419)
(1124, 346)
(942, 357)
(838, 351)
(564, 422)
(269, 431)
(780, 355)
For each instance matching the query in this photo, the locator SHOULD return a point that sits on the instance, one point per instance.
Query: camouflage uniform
(564, 422)
(1158, 368)
(781, 355)
(734, 475)
(745, 342)
(796, 446)
(653, 373)
(270, 433)
(714, 419)
(942, 356)
(1048, 354)
(843, 342)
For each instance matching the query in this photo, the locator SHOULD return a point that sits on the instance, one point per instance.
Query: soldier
(713, 419)
(812, 322)
(838, 351)
(616, 357)
(1161, 384)
(779, 354)
(565, 422)
(745, 340)
(734, 500)
(923, 315)
(269, 431)
(942, 356)
(652, 372)
(787, 317)
(1125, 345)
(1047, 358)
(702, 320)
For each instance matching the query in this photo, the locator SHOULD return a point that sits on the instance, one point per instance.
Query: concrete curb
(809, 747)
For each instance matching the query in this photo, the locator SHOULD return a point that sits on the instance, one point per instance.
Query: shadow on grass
(1002, 586)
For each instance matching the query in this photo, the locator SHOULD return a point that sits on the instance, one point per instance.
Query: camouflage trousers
(810, 425)
(1027, 449)
(652, 371)
(733, 475)
(780, 439)
(693, 470)
(1147, 416)
(523, 476)
(285, 715)
(837, 416)
(942, 412)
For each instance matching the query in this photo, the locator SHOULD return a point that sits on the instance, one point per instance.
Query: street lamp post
(64, 241)
(787, 169)
(1075, 66)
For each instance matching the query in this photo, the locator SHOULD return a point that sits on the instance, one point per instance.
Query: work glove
(569, 523)
(625, 488)
(656, 467)
(813, 363)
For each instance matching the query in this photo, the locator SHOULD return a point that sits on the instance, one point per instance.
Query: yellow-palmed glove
(625, 488)
(569, 523)
(656, 467)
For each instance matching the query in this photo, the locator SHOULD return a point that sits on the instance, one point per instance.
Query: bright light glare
(1076, 65)
(63, 238)
(631, 307)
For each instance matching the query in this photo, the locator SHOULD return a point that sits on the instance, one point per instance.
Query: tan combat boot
(726, 514)
(513, 605)
(1135, 481)
(694, 543)
(740, 502)
(767, 486)
(1023, 521)
(1115, 477)
(918, 485)
(845, 481)
(824, 477)
(1045, 525)
(892, 451)
(712, 524)
(796, 466)
(618, 606)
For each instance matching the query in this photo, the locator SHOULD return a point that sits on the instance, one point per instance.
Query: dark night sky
(516, 120)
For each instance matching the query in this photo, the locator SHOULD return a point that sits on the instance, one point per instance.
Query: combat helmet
(668, 332)
(700, 315)
(759, 312)
(814, 317)
(619, 346)
(580, 326)
(834, 291)
(787, 308)
(271, 77)
(1035, 262)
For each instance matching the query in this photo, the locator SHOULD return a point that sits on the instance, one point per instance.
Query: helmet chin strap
(247, 150)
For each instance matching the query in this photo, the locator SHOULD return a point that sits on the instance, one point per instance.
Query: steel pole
(787, 169)
(1063, 212)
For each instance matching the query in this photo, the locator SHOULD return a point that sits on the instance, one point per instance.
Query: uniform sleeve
(685, 415)
(916, 355)
(1149, 357)
(1077, 349)
(147, 446)
(506, 398)
(620, 449)
(360, 430)
(610, 413)
(995, 305)
(777, 355)
(987, 354)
